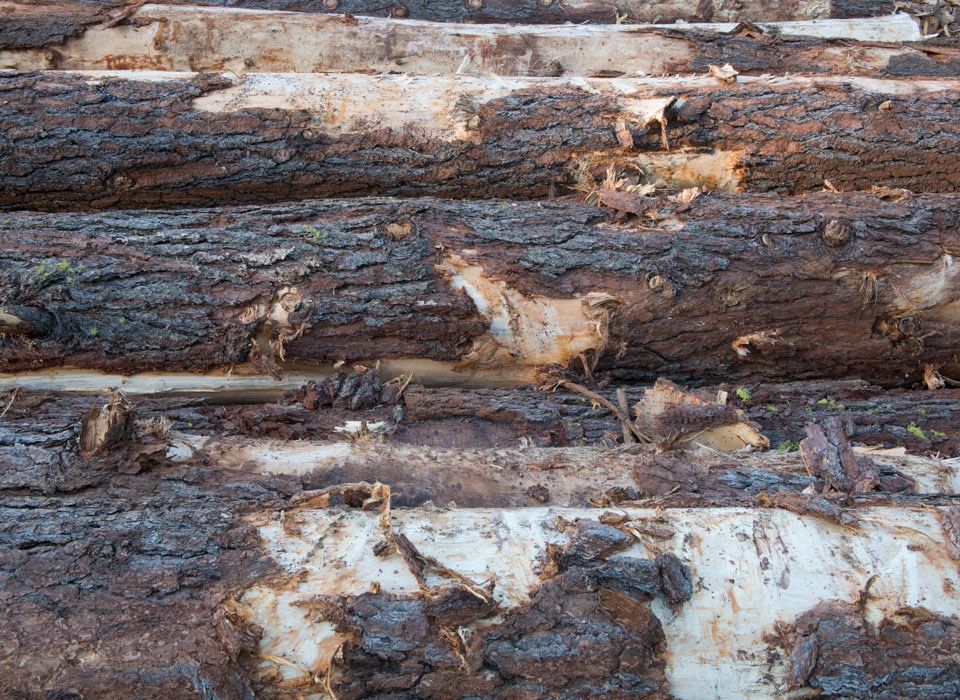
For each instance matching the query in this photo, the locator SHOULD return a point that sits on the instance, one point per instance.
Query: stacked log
(350, 350)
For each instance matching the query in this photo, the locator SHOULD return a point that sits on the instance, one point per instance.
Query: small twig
(625, 407)
(10, 402)
(623, 417)
(587, 372)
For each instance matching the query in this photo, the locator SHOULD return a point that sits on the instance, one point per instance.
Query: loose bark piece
(827, 455)
(93, 139)
(106, 427)
(323, 281)
(72, 16)
(677, 417)
(835, 650)
(803, 504)
(164, 37)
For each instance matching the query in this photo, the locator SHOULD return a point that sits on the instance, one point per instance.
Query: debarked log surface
(67, 18)
(720, 288)
(97, 139)
(165, 37)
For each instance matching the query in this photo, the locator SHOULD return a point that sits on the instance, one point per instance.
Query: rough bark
(80, 140)
(117, 591)
(69, 17)
(826, 285)
(912, 652)
(180, 39)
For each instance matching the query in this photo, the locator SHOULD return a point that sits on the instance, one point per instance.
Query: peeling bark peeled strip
(98, 139)
(777, 288)
(345, 354)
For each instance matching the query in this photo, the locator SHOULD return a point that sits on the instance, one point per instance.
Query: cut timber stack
(349, 352)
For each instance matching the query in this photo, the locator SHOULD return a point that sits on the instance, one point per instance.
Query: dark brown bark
(461, 418)
(834, 649)
(835, 286)
(586, 631)
(69, 17)
(116, 591)
(73, 142)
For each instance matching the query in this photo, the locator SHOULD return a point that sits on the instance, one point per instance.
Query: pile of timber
(359, 350)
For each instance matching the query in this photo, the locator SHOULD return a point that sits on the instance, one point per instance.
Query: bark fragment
(836, 650)
(827, 455)
(803, 504)
(106, 427)
(676, 417)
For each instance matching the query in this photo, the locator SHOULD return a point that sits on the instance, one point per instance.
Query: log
(920, 422)
(825, 285)
(197, 546)
(161, 37)
(70, 17)
(336, 444)
(93, 140)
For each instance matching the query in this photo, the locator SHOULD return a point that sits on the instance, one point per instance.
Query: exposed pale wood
(161, 37)
(101, 139)
(775, 288)
(69, 17)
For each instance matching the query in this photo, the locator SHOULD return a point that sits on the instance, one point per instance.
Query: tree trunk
(67, 18)
(826, 285)
(95, 140)
(180, 39)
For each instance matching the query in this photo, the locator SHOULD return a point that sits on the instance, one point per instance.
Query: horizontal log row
(723, 288)
(68, 18)
(202, 39)
(250, 618)
(45, 454)
(95, 140)
(410, 440)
